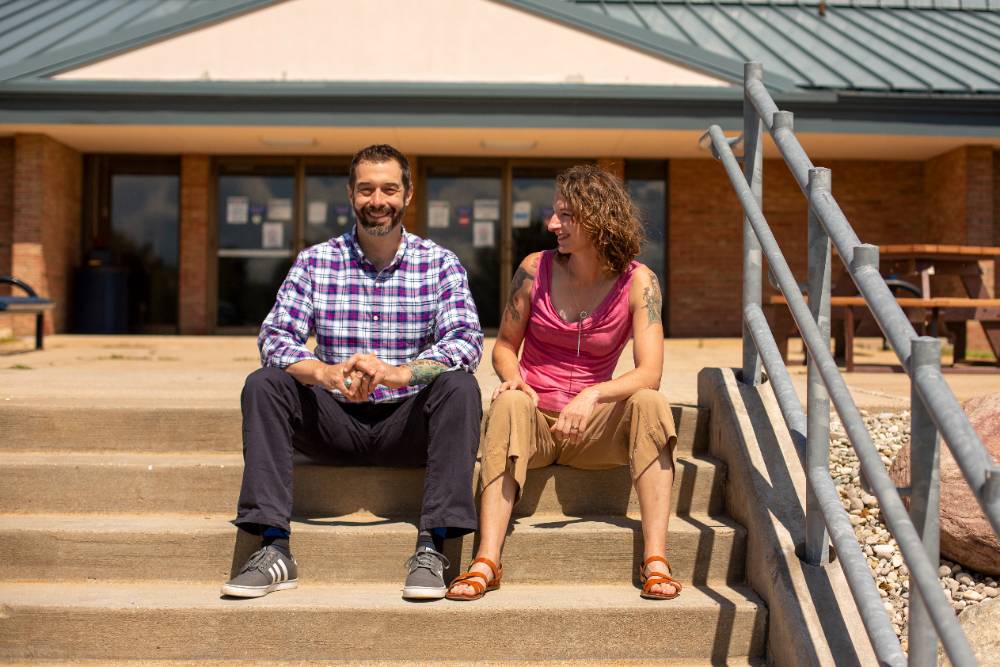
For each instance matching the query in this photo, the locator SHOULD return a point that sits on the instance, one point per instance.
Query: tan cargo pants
(516, 436)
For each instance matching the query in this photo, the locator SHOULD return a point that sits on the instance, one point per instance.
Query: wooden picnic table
(930, 315)
(921, 261)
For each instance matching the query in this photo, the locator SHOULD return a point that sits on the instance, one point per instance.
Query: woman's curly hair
(601, 205)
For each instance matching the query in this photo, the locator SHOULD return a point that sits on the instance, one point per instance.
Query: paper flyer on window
(237, 210)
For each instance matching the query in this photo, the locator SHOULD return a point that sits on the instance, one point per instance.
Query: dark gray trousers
(437, 428)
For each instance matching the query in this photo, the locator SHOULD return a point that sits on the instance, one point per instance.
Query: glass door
(131, 213)
(647, 184)
(532, 192)
(144, 239)
(328, 208)
(256, 223)
(463, 213)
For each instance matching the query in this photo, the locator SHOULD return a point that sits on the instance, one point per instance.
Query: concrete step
(731, 661)
(353, 548)
(159, 427)
(369, 621)
(184, 482)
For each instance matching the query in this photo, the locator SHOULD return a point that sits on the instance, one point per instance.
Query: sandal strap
(658, 578)
(470, 579)
(495, 570)
(655, 559)
(652, 559)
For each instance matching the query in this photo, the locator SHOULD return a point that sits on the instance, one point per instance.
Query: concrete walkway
(208, 372)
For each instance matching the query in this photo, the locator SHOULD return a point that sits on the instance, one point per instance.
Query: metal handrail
(934, 408)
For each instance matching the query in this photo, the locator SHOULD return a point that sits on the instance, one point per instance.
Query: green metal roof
(39, 38)
(924, 46)
(915, 66)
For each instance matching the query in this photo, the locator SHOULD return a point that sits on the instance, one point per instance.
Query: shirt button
(375, 317)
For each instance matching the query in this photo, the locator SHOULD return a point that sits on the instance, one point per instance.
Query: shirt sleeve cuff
(286, 358)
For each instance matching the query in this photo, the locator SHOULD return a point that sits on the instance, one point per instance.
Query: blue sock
(439, 534)
(277, 538)
(432, 539)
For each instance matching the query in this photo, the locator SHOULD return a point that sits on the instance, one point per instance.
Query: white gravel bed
(890, 431)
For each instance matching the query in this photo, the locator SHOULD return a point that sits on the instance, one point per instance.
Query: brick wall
(996, 215)
(46, 223)
(196, 314)
(6, 222)
(960, 191)
(883, 201)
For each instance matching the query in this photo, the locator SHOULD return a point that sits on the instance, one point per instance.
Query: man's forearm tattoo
(515, 285)
(652, 300)
(425, 370)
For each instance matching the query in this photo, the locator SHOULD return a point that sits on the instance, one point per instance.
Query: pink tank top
(550, 363)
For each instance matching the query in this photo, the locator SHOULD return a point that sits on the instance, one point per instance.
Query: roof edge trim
(661, 46)
(200, 15)
(65, 89)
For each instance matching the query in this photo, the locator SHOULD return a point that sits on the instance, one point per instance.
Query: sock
(432, 539)
(277, 538)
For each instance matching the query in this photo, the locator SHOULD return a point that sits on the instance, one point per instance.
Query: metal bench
(26, 304)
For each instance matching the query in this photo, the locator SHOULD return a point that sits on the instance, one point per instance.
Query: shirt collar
(352, 240)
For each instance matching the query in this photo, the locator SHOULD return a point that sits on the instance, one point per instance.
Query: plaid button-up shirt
(418, 307)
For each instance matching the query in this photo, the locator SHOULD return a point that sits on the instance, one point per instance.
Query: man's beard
(379, 229)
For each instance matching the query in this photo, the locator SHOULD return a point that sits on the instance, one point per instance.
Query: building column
(6, 225)
(959, 188)
(196, 315)
(45, 225)
(411, 218)
(614, 165)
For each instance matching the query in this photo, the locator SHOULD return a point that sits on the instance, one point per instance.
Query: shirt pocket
(415, 315)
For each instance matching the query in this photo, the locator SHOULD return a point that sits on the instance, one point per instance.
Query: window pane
(533, 192)
(256, 215)
(144, 239)
(328, 208)
(455, 229)
(651, 198)
(256, 212)
(247, 288)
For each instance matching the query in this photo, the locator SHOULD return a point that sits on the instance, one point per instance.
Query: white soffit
(431, 41)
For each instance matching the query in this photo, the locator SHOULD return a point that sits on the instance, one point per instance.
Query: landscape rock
(981, 624)
(966, 534)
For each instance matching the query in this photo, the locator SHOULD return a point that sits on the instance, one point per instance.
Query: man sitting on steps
(390, 383)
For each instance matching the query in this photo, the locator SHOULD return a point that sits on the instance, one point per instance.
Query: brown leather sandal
(477, 580)
(657, 578)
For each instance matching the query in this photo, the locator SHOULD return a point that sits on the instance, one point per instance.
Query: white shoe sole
(424, 592)
(257, 591)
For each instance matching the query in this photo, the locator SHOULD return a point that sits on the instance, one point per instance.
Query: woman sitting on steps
(574, 309)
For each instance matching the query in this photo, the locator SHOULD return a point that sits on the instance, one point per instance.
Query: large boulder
(966, 534)
(981, 624)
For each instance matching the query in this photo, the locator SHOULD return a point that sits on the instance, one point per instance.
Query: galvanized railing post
(753, 151)
(865, 258)
(925, 498)
(817, 398)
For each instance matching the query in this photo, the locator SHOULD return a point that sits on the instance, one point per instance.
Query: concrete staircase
(115, 538)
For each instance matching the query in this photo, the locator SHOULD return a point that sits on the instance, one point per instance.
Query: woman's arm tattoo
(652, 300)
(520, 276)
(424, 370)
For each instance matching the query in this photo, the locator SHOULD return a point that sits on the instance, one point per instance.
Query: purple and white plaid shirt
(418, 307)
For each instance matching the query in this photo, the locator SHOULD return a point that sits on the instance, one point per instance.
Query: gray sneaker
(425, 575)
(267, 570)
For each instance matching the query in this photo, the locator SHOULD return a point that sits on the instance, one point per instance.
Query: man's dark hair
(378, 153)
